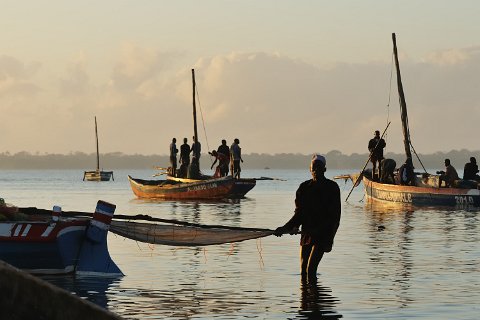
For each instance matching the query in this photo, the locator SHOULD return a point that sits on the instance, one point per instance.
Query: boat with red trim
(43, 241)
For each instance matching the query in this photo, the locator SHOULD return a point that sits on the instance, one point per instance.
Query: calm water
(420, 263)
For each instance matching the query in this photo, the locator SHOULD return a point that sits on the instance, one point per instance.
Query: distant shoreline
(117, 160)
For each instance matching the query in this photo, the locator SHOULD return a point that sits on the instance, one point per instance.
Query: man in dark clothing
(406, 173)
(196, 150)
(185, 152)
(387, 168)
(225, 150)
(470, 170)
(173, 157)
(184, 158)
(375, 146)
(317, 210)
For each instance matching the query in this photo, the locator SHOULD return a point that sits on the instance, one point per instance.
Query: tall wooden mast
(96, 139)
(195, 136)
(403, 104)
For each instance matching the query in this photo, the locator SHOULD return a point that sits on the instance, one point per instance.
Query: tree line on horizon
(118, 160)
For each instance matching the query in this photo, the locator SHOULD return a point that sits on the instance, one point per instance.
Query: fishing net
(175, 233)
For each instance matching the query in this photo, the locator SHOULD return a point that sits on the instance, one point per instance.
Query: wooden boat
(198, 187)
(97, 175)
(171, 189)
(426, 190)
(47, 242)
(422, 194)
(240, 186)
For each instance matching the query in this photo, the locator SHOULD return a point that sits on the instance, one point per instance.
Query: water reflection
(317, 301)
(389, 250)
(93, 289)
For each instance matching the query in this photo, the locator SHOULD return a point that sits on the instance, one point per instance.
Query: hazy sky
(282, 76)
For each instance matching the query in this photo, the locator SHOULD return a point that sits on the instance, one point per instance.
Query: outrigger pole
(366, 164)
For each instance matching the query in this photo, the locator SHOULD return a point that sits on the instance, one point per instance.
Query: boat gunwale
(418, 190)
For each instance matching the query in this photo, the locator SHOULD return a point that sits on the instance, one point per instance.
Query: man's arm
(296, 220)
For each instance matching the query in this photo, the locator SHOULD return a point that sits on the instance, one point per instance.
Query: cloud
(271, 102)
(16, 78)
(453, 56)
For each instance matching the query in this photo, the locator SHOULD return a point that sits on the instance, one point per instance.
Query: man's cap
(317, 157)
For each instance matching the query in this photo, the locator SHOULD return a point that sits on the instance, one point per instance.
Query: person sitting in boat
(222, 168)
(450, 175)
(184, 158)
(387, 167)
(406, 173)
(173, 157)
(375, 146)
(470, 171)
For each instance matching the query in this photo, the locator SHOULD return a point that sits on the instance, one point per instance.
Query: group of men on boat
(228, 159)
(406, 175)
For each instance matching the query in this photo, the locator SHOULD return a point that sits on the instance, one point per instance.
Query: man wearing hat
(317, 210)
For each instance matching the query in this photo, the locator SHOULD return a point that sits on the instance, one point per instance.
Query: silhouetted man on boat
(318, 211)
(184, 158)
(387, 169)
(236, 157)
(196, 149)
(173, 157)
(224, 149)
(375, 146)
(406, 173)
(470, 171)
(450, 175)
(222, 168)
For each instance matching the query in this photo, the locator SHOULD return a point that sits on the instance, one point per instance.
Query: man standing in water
(317, 210)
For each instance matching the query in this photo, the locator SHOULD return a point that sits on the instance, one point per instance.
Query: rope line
(389, 93)
(203, 122)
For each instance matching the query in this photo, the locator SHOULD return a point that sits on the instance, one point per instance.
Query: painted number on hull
(203, 187)
(463, 200)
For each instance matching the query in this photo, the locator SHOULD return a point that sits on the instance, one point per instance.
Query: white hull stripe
(17, 230)
(25, 231)
(47, 231)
